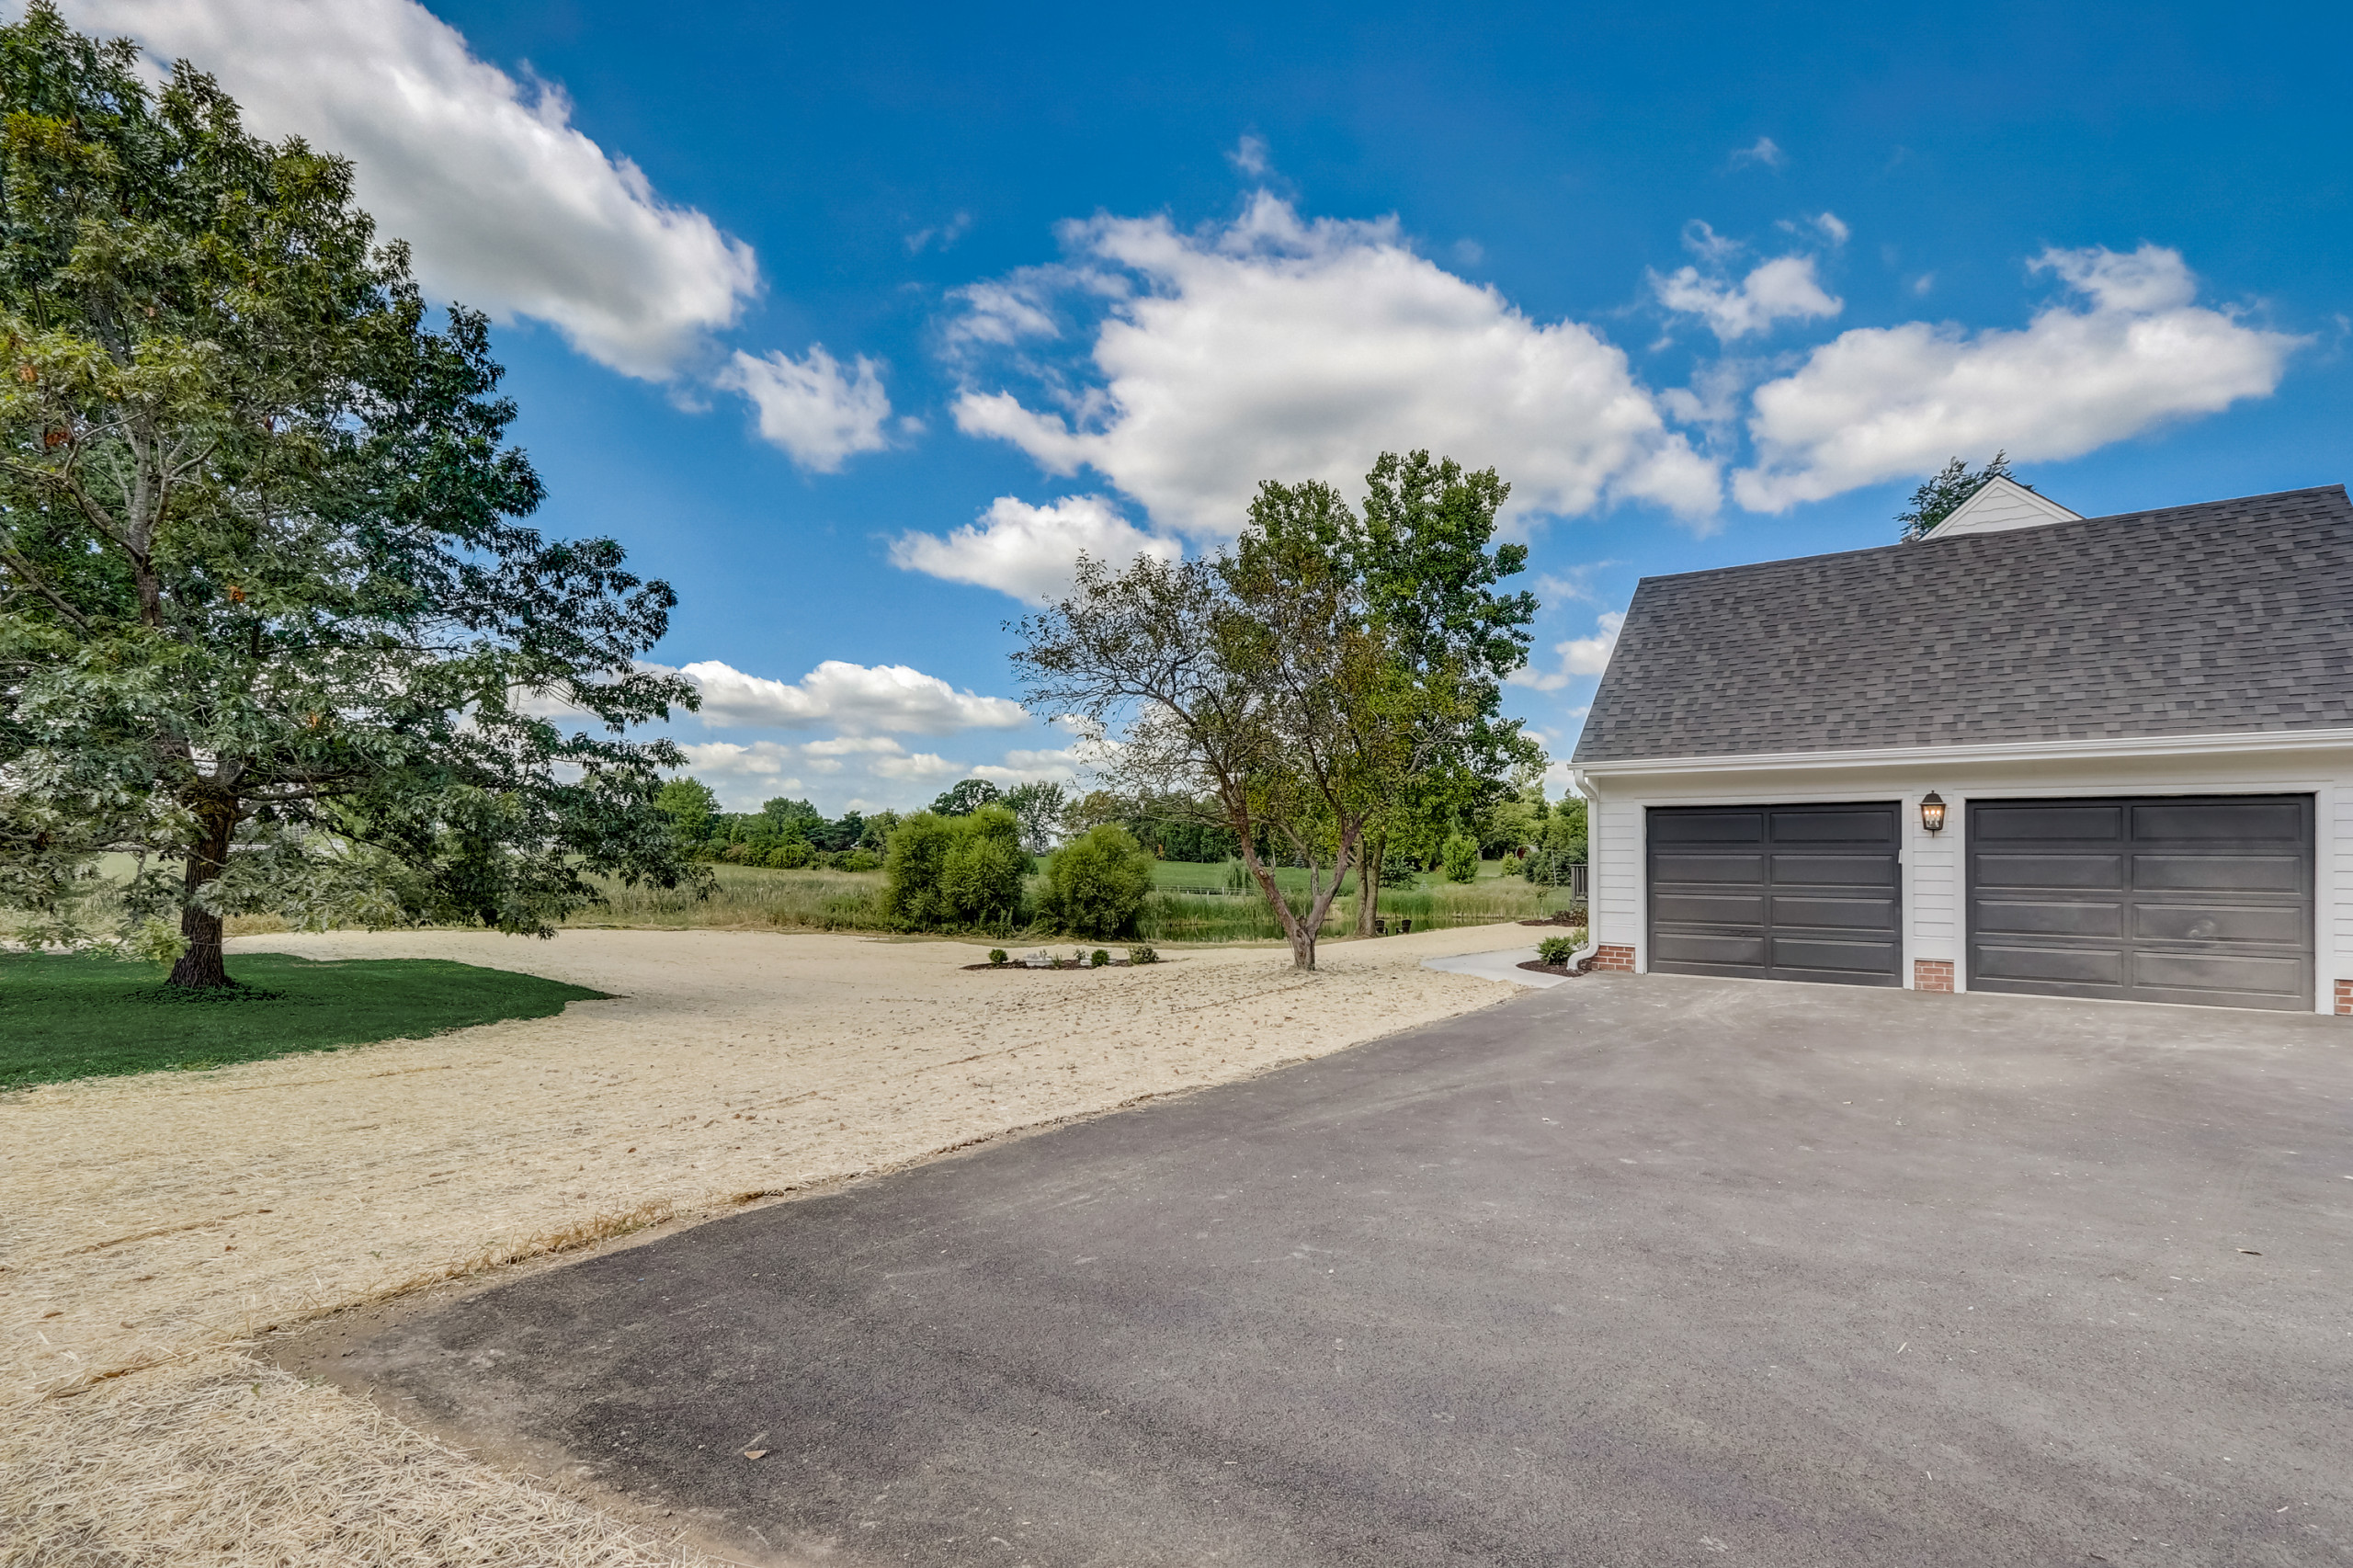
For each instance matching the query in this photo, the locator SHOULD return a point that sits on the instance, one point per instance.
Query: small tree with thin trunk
(268, 621)
(1260, 684)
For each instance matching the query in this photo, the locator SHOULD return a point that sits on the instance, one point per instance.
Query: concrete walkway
(1504, 965)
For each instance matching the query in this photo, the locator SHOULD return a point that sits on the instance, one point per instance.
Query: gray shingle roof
(2229, 616)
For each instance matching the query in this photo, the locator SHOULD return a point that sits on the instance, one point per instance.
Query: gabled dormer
(2000, 505)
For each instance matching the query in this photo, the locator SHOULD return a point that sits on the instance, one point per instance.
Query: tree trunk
(1373, 851)
(201, 967)
(1302, 937)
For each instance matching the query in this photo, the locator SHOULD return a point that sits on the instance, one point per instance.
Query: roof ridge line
(2338, 489)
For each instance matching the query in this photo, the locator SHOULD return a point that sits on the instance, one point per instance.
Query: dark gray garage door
(1776, 892)
(2205, 898)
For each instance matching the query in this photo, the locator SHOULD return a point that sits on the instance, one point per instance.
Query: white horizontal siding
(1617, 855)
(1932, 876)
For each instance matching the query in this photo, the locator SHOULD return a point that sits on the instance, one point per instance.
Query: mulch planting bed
(1562, 969)
(1058, 964)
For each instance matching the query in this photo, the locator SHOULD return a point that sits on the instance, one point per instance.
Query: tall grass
(748, 898)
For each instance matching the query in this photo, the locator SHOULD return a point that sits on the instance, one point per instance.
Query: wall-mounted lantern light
(1932, 812)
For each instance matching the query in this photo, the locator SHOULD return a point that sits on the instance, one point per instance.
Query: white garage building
(2077, 756)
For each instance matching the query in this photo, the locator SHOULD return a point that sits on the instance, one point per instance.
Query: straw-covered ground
(153, 1230)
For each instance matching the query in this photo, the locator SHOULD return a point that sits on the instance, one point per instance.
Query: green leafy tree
(1095, 885)
(948, 873)
(1462, 857)
(1038, 807)
(268, 618)
(690, 806)
(792, 819)
(1259, 682)
(1563, 845)
(965, 798)
(1941, 496)
(1434, 574)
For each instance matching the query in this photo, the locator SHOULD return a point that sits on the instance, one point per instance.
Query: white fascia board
(2235, 745)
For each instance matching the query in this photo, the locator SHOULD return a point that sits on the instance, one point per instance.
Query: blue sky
(856, 322)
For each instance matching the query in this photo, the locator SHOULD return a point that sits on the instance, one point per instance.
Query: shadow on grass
(72, 1017)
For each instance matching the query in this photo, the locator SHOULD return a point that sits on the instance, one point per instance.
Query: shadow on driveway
(1633, 1271)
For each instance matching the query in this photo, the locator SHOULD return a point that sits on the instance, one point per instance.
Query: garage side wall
(1933, 865)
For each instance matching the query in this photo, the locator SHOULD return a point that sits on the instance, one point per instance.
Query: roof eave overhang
(2239, 744)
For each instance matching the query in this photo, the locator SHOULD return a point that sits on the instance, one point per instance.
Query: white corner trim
(2238, 744)
(1581, 786)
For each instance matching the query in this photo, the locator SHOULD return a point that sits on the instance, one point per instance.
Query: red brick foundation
(1929, 974)
(2344, 997)
(1610, 959)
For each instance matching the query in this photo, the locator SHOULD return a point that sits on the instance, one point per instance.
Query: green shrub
(1556, 950)
(1141, 954)
(996, 958)
(1098, 958)
(1097, 882)
(1461, 856)
(861, 859)
(947, 873)
(790, 855)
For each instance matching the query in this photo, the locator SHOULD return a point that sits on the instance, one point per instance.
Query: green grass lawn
(71, 1017)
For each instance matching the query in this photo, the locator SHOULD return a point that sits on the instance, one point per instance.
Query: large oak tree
(269, 619)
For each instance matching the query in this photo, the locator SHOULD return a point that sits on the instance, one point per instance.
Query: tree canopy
(1301, 685)
(965, 796)
(269, 619)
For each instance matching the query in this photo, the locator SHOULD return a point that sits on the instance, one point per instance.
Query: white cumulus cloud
(1578, 656)
(510, 208)
(857, 700)
(1029, 551)
(1068, 766)
(810, 408)
(1278, 348)
(1784, 289)
(2133, 350)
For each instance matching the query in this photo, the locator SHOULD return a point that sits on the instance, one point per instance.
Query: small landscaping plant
(1098, 958)
(996, 958)
(1556, 950)
(1143, 955)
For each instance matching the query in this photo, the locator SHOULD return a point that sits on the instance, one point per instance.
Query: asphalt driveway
(1632, 1271)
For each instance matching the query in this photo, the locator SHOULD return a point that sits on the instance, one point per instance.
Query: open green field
(1190, 903)
(68, 1016)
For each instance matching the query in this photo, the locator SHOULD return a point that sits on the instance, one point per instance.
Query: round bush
(1096, 883)
(1462, 856)
(950, 872)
